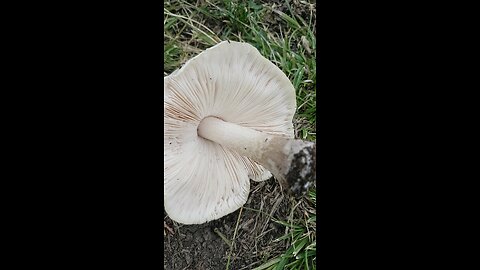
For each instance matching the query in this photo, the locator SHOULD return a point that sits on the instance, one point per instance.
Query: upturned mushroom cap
(232, 81)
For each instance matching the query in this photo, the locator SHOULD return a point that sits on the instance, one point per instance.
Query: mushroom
(227, 119)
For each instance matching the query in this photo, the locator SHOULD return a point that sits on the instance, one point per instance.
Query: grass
(284, 33)
(301, 233)
(300, 236)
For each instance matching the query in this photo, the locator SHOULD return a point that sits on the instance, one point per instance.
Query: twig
(234, 235)
(224, 238)
(168, 228)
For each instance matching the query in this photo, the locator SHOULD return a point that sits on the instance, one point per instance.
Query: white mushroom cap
(232, 81)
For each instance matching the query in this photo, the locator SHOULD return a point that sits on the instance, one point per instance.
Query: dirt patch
(203, 247)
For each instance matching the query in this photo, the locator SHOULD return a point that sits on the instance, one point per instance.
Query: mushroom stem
(291, 161)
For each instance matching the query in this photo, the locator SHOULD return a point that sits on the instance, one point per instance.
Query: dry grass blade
(234, 236)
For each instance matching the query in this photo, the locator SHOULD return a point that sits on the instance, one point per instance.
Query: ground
(206, 246)
(284, 33)
(202, 246)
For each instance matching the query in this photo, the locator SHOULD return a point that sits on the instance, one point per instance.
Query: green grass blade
(267, 264)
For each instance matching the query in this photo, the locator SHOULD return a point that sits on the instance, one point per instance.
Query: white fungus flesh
(234, 83)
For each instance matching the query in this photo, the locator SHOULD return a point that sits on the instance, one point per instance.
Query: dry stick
(265, 232)
(274, 209)
(224, 238)
(233, 239)
(165, 226)
(290, 219)
(255, 226)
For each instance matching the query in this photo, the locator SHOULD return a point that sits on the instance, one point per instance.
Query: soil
(202, 247)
